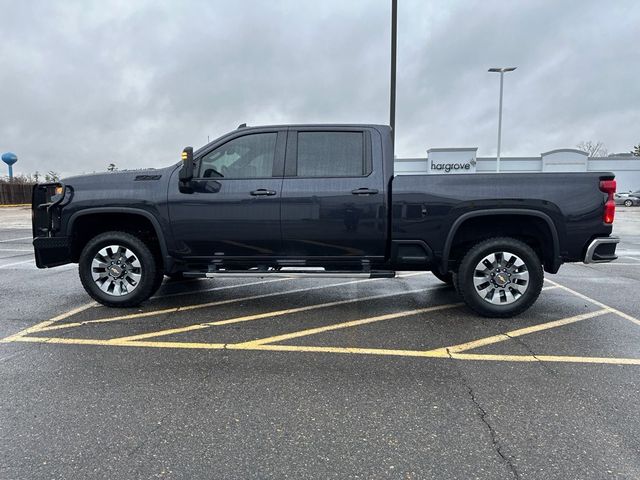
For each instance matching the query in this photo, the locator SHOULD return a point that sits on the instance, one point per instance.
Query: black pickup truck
(321, 200)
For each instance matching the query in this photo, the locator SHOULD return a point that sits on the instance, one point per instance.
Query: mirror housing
(186, 171)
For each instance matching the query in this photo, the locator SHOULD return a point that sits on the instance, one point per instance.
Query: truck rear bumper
(602, 250)
(52, 251)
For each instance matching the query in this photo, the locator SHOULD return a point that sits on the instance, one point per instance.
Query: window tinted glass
(250, 156)
(330, 154)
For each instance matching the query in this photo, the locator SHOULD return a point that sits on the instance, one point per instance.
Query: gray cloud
(84, 84)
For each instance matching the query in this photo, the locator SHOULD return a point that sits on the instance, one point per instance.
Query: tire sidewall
(147, 263)
(467, 289)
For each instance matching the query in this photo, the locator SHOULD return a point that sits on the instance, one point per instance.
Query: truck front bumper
(602, 250)
(51, 249)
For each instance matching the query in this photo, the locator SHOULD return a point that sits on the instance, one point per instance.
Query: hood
(119, 176)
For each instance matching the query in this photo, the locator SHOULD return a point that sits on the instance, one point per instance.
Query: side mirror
(186, 172)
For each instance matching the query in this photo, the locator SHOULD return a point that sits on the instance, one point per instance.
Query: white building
(447, 161)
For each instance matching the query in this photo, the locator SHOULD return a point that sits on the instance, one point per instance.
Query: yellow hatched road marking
(258, 316)
(501, 337)
(337, 326)
(626, 316)
(39, 326)
(209, 304)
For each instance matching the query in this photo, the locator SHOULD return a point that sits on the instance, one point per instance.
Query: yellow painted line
(10, 205)
(258, 316)
(626, 316)
(501, 337)
(38, 327)
(337, 326)
(206, 305)
(108, 343)
(343, 350)
(347, 350)
(546, 358)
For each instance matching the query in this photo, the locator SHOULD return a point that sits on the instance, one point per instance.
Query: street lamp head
(502, 69)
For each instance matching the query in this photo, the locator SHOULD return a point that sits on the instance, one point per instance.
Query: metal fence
(15, 193)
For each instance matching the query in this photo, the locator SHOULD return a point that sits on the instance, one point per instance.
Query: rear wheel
(118, 269)
(628, 203)
(500, 277)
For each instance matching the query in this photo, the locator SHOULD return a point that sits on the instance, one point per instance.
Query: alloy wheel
(116, 270)
(501, 278)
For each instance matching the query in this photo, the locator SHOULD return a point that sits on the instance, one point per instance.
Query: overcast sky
(84, 84)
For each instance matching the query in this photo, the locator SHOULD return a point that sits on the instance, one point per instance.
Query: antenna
(242, 125)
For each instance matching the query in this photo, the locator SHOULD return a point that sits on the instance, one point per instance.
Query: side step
(292, 273)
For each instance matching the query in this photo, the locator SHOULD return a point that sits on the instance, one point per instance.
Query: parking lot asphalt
(318, 378)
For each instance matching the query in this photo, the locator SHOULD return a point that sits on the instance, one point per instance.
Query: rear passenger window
(331, 154)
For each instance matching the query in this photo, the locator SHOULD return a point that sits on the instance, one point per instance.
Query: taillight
(608, 187)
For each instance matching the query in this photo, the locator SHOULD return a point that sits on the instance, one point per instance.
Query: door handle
(364, 191)
(263, 192)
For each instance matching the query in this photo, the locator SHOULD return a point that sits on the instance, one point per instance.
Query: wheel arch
(552, 266)
(129, 212)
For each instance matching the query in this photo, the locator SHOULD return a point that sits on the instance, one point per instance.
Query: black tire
(151, 274)
(483, 306)
(448, 278)
(628, 203)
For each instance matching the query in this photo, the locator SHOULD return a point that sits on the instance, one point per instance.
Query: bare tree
(52, 176)
(19, 178)
(594, 149)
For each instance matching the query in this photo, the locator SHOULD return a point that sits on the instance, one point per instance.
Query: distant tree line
(37, 177)
(599, 149)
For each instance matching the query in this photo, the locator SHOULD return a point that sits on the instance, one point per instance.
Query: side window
(249, 156)
(331, 154)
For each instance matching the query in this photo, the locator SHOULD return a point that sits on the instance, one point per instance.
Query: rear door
(234, 210)
(333, 198)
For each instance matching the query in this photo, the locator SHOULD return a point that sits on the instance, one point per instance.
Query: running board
(292, 274)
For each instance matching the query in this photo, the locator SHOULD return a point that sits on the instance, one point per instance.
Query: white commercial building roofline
(463, 160)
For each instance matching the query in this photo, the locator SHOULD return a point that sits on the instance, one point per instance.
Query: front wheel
(500, 277)
(118, 269)
(628, 203)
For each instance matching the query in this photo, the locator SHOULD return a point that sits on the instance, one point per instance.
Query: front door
(333, 195)
(234, 210)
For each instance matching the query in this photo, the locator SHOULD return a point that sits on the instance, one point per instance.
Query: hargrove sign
(451, 160)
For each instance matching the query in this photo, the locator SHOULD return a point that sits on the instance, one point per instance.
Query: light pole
(394, 44)
(500, 70)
